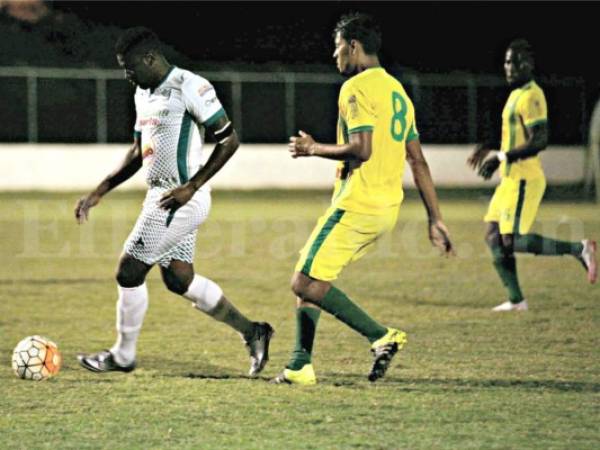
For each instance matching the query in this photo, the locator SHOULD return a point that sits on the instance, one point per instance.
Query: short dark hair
(361, 27)
(137, 38)
(522, 47)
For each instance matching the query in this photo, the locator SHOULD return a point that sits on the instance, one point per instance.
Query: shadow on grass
(52, 281)
(452, 383)
(223, 376)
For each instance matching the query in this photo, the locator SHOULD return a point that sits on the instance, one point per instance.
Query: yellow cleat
(304, 377)
(384, 350)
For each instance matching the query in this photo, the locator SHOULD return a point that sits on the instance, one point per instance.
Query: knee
(128, 277)
(508, 242)
(177, 283)
(492, 238)
(131, 272)
(299, 284)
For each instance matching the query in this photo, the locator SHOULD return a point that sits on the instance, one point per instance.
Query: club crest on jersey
(353, 104)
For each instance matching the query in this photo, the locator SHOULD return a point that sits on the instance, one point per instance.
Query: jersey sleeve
(413, 133)
(532, 108)
(201, 101)
(357, 110)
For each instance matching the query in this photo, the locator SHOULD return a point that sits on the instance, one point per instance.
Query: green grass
(466, 379)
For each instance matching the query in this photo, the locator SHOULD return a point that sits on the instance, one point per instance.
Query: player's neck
(367, 62)
(522, 82)
(162, 72)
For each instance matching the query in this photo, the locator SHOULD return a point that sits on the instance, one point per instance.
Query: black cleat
(103, 361)
(384, 350)
(258, 347)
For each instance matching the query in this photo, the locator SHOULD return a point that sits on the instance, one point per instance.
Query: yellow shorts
(515, 204)
(339, 238)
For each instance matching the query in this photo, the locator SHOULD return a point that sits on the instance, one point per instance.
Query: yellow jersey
(374, 100)
(525, 107)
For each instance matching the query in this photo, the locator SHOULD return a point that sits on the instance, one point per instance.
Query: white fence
(67, 167)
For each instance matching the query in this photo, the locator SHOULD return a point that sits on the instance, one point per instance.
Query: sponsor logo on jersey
(153, 121)
(147, 151)
(163, 93)
(163, 113)
(204, 89)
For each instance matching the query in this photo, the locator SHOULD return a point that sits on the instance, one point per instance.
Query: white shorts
(160, 237)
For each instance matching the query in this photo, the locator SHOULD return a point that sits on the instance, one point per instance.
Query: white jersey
(171, 121)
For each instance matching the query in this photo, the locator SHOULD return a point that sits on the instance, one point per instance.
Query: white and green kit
(170, 121)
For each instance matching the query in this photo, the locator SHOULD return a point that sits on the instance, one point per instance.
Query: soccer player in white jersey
(174, 108)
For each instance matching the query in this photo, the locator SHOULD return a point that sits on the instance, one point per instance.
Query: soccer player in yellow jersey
(515, 203)
(376, 134)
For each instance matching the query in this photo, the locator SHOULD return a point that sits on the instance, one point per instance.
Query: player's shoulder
(190, 80)
(536, 89)
(531, 91)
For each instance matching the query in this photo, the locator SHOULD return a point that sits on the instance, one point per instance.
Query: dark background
(418, 37)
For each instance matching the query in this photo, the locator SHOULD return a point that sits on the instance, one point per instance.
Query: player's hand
(479, 154)
(489, 167)
(302, 145)
(176, 198)
(440, 238)
(83, 205)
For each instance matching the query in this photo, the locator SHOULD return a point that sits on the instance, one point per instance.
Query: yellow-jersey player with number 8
(376, 134)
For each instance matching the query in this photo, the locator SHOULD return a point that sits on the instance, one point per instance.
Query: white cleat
(509, 306)
(588, 259)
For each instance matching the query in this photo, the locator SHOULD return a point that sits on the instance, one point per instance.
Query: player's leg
(307, 319)
(208, 297)
(132, 304)
(505, 264)
(338, 239)
(499, 219)
(536, 244)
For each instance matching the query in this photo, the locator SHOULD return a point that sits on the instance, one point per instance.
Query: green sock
(306, 327)
(540, 245)
(337, 303)
(506, 266)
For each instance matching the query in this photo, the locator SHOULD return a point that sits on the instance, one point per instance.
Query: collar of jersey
(164, 79)
(526, 85)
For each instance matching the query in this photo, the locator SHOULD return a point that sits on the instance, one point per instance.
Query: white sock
(204, 293)
(131, 308)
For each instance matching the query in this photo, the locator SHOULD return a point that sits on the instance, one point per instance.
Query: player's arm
(358, 147)
(128, 167)
(537, 140)
(480, 153)
(438, 232)
(227, 144)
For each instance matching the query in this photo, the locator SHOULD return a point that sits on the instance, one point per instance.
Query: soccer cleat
(384, 350)
(509, 306)
(588, 259)
(103, 361)
(304, 377)
(258, 347)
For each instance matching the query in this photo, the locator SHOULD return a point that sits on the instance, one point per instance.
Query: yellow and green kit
(366, 197)
(518, 196)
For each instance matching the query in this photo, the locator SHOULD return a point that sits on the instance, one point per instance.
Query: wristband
(501, 156)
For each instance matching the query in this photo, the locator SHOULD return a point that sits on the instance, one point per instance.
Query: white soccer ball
(36, 358)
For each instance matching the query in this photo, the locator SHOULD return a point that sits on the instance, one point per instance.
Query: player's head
(518, 62)
(138, 53)
(355, 34)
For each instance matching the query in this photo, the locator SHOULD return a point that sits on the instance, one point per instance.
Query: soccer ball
(36, 358)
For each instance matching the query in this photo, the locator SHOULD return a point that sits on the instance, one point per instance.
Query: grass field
(466, 379)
